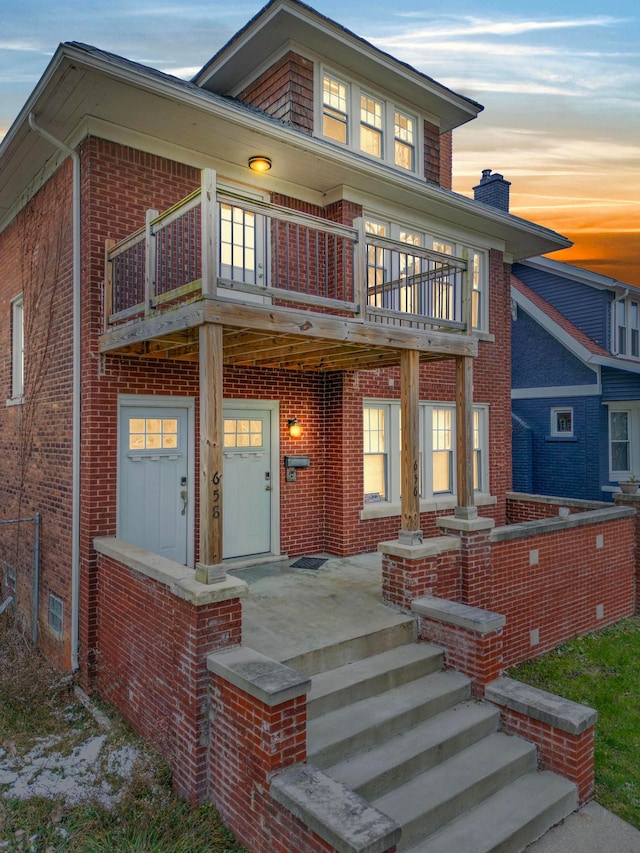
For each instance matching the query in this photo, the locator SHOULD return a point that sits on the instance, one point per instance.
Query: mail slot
(297, 462)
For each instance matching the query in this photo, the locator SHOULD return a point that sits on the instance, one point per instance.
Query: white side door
(248, 483)
(154, 509)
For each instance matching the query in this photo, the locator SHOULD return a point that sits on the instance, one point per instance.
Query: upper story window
(335, 116)
(626, 333)
(368, 123)
(17, 348)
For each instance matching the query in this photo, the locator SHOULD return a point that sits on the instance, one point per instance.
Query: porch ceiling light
(259, 163)
(295, 429)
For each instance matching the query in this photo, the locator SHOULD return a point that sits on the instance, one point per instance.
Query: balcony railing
(264, 253)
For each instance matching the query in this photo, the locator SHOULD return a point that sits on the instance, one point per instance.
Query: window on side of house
(17, 348)
(626, 332)
(382, 450)
(620, 430)
(562, 421)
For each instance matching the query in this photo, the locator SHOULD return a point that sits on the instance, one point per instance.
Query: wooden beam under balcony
(278, 337)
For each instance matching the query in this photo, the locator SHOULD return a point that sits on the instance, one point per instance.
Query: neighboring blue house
(575, 380)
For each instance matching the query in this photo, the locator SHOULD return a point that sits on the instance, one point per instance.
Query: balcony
(289, 289)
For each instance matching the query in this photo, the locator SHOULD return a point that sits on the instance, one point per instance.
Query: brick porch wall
(155, 628)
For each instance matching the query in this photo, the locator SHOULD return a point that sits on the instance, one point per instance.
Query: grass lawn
(602, 670)
(69, 784)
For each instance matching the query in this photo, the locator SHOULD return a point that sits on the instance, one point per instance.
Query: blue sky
(560, 83)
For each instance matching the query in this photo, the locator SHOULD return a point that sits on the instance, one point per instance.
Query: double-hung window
(620, 434)
(335, 109)
(382, 450)
(368, 122)
(371, 129)
(17, 348)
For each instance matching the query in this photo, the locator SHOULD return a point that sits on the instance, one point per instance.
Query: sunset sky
(560, 83)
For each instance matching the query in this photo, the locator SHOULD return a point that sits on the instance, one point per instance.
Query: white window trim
(632, 409)
(390, 105)
(429, 501)
(627, 301)
(554, 431)
(459, 248)
(17, 350)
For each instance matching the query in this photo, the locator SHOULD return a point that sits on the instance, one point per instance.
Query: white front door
(154, 509)
(248, 482)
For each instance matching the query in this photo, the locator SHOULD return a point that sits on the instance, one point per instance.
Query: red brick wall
(567, 754)
(285, 91)
(151, 652)
(36, 435)
(558, 595)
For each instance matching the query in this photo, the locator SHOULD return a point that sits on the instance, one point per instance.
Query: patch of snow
(75, 778)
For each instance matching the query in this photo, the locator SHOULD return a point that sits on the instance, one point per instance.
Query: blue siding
(522, 454)
(539, 360)
(562, 467)
(585, 306)
(619, 385)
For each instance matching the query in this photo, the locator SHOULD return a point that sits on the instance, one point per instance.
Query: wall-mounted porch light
(295, 429)
(259, 163)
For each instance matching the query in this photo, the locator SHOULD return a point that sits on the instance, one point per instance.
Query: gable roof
(282, 24)
(564, 331)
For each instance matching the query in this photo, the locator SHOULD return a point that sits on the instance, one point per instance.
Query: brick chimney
(493, 190)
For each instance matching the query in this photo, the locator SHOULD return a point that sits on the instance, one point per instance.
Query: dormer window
(368, 123)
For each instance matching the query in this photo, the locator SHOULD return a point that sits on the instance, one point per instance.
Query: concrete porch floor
(290, 613)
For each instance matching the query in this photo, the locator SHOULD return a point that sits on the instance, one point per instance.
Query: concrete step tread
(438, 796)
(362, 724)
(364, 677)
(508, 821)
(394, 762)
(347, 649)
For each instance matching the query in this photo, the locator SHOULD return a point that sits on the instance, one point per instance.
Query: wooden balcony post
(410, 533)
(149, 261)
(107, 308)
(464, 437)
(360, 268)
(210, 569)
(209, 225)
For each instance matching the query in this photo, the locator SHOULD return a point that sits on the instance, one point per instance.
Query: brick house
(245, 317)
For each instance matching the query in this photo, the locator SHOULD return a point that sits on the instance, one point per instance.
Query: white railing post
(149, 260)
(360, 267)
(209, 225)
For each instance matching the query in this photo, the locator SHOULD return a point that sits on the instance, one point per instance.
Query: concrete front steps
(406, 736)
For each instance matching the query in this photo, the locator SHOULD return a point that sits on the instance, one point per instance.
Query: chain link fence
(20, 571)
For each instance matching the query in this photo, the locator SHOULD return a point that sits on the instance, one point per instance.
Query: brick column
(475, 557)
(411, 571)
(562, 730)
(471, 638)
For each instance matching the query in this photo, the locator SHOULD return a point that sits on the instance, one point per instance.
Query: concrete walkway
(593, 829)
(290, 611)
